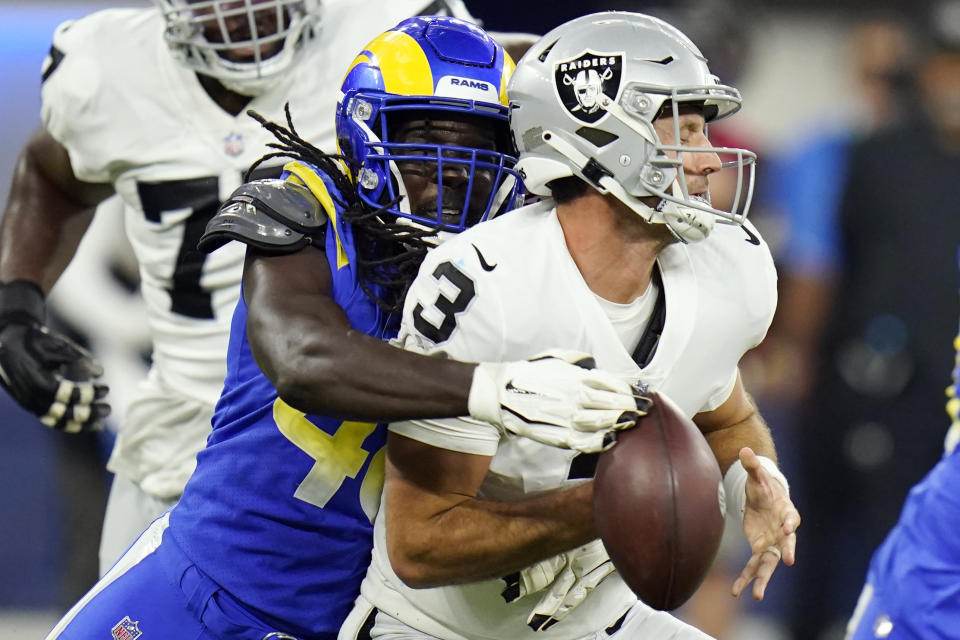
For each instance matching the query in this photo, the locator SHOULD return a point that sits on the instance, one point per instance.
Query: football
(659, 506)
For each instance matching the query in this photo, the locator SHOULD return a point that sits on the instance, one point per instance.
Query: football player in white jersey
(148, 103)
(625, 259)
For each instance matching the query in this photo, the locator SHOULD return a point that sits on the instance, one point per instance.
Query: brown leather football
(658, 506)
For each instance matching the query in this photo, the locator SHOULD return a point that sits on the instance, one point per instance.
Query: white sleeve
(721, 394)
(73, 98)
(453, 311)
(767, 297)
(463, 435)
(752, 284)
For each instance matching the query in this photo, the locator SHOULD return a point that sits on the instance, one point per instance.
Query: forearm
(750, 432)
(46, 215)
(482, 539)
(343, 372)
(40, 233)
(733, 425)
(302, 340)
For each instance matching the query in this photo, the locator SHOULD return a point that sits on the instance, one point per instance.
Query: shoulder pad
(277, 216)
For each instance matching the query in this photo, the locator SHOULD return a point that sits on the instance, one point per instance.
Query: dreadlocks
(388, 254)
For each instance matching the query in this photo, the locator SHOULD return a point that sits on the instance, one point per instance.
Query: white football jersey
(508, 289)
(130, 115)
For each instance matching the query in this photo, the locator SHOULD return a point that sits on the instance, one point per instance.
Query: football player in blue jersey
(912, 589)
(913, 583)
(273, 533)
(189, 68)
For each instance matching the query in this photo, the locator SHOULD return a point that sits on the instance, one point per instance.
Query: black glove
(48, 374)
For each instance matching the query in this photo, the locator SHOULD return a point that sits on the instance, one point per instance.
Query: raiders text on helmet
(581, 82)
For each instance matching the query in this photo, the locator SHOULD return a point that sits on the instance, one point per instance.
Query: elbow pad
(275, 216)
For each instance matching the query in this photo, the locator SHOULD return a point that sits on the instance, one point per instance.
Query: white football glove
(566, 580)
(556, 398)
(534, 578)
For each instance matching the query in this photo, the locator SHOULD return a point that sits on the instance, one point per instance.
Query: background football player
(273, 532)
(626, 259)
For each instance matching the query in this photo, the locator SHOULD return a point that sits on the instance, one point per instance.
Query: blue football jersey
(913, 588)
(279, 510)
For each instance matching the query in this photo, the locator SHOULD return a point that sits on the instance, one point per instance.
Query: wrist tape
(22, 301)
(735, 482)
(484, 401)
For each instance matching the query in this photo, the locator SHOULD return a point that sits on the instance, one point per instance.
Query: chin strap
(685, 223)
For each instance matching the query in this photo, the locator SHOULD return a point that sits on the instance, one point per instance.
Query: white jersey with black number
(508, 289)
(130, 115)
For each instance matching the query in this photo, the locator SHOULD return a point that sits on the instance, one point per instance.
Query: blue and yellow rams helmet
(437, 68)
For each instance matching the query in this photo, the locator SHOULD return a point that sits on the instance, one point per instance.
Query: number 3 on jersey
(337, 456)
(448, 308)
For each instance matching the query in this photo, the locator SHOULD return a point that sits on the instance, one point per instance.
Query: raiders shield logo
(580, 83)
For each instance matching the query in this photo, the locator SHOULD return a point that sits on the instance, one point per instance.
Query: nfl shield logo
(233, 144)
(126, 629)
(582, 81)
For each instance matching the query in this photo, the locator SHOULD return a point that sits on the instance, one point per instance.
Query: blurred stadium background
(805, 70)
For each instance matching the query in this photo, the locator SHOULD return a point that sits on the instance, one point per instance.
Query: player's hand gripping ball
(658, 498)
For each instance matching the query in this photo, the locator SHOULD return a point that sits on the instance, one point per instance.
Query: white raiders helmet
(245, 44)
(583, 101)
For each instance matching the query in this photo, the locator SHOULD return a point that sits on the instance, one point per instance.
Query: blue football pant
(154, 591)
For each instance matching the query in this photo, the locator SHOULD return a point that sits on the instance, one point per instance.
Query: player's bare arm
(736, 432)
(439, 532)
(303, 342)
(326, 367)
(47, 212)
(733, 425)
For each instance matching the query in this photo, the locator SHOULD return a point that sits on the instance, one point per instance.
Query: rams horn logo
(581, 81)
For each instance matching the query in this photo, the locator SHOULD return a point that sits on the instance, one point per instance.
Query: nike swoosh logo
(751, 237)
(483, 263)
(510, 387)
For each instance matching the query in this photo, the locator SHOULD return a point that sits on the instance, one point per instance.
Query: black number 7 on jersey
(449, 308)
